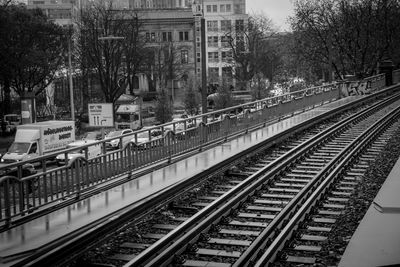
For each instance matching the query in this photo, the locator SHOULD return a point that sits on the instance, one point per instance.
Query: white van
(92, 151)
(36, 139)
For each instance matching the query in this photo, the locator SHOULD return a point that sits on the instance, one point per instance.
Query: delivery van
(36, 139)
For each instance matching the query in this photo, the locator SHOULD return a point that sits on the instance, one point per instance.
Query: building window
(147, 36)
(226, 41)
(226, 25)
(184, 57)
(215, 8)
(226, 56)
(240, 45)
(208, 8)
(212, 41)
(213, 74)
(228, 8)
(212, 56)
(153, 37)
(222, 8)
(167, 36)
(183, 36)
(59, 13)
(212, 25)
(239, 25)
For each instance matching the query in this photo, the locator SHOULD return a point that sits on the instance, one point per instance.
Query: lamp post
(71, 86)
(110, 38)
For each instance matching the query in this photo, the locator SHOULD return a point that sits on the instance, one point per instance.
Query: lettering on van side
(50, 131)
(64, 136)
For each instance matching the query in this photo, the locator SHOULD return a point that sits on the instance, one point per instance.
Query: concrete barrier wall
(362, 87)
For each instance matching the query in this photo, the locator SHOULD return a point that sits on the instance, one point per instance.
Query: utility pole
(203, 67)
(71, 86)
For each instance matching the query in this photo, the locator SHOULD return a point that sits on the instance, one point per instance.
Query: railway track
(232, 217)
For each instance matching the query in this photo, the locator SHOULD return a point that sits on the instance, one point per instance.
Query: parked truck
(36, 139)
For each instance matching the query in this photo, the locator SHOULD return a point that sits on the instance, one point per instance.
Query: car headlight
(114, 142)
(2, 160)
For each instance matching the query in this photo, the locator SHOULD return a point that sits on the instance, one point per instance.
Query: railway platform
(376, 241)
(26, 238)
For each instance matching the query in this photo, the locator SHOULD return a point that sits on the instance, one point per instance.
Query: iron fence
(21, 194)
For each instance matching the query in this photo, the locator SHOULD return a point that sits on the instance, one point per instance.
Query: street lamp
(110, 38)
(71, 86)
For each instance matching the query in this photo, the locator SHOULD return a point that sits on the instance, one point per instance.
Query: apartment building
(62, 12)
(223, 18)
(170, 33)
(159, 4)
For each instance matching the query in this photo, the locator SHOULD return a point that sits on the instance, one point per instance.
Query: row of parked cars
(146, 135)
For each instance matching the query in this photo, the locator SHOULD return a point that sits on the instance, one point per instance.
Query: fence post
(7, 203)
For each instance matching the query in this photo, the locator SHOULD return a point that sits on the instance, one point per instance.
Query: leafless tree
(109, 45)
(350, 37)
(249, 53)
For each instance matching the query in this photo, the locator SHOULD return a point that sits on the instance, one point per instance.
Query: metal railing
(19, 195)
(376, 82)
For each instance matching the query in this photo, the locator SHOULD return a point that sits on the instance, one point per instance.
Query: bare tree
(163, 109)
(108, 45)
(249, 53)
(192, 99)
(350, 37)
(31, 48)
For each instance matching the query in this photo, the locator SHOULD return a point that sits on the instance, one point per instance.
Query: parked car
(27, 170)
(7, 127)
(92, 136)
(14, 120)
(144, 137)
(92, 151)
(113, 144)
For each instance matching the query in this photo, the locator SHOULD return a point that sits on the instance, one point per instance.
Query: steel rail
(343, 159)
(89, 234)
(172, 242)
(89, 180)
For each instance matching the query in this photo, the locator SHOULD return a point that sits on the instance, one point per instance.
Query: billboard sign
(101, 115)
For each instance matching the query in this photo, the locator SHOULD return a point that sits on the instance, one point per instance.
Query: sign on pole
(101, 115)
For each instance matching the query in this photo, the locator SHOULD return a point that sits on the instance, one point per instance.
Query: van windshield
(19, 148)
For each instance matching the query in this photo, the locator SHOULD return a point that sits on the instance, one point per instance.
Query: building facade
(169, 33)
(62, 12)
(173, 28)
(223, 18)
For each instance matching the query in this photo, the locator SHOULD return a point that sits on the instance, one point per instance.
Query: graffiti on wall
(355, 88)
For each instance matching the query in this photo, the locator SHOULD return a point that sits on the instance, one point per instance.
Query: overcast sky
(277, 10)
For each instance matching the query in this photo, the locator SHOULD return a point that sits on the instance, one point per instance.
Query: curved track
(271, 207)
(233, 217)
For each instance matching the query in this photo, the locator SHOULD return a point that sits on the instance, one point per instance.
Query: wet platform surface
(376, 241)
(58, 223)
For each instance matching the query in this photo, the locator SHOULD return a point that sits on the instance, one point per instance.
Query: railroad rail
(284, 197)
(243, 186)
(84, 176)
